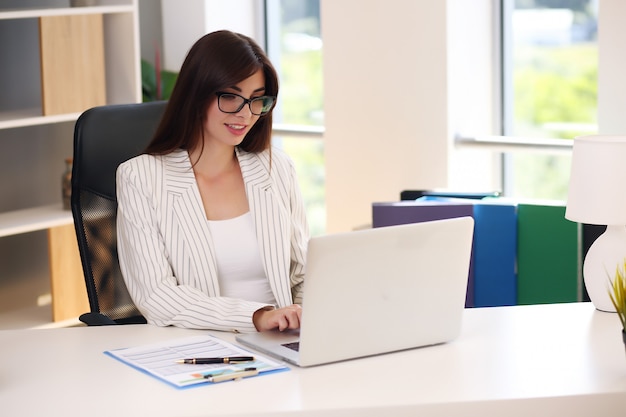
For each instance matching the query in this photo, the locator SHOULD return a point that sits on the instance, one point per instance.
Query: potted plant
(617, 293)
(156, 83)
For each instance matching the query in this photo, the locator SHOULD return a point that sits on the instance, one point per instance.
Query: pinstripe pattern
(165, 249)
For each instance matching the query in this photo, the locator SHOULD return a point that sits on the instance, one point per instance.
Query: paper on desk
(159, 359)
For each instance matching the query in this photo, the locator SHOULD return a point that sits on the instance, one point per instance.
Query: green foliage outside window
(556, 87)
(301, 102)
(555, 91)
(301, 88)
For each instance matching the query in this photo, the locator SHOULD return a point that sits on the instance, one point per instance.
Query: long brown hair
(216, 61)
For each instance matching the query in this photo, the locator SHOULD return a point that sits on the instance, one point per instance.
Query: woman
(211, 229)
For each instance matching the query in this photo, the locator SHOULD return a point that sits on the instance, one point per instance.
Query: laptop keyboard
(293, 346)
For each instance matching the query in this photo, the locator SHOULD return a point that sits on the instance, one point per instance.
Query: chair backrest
(104, 137)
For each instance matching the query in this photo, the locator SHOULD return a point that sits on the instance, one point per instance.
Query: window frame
(504, 142)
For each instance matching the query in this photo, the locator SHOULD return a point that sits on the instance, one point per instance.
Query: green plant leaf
(168, 79)
(148, 81)
(617, 292)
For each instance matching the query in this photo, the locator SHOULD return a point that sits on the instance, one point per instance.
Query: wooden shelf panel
(67, 283)
(72, 63)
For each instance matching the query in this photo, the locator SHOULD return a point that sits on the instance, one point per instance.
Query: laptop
(376, 291)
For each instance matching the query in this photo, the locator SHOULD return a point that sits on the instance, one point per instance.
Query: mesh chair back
(104, 137)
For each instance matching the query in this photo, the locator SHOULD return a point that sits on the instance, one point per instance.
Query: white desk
(546, 360)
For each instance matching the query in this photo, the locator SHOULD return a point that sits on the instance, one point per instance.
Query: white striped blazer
(166, 254)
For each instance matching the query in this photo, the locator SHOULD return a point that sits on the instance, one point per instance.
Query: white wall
(400, 80)
(473, 94)
(385, 103)
(185, 22)
(612, 67)
(151, 34)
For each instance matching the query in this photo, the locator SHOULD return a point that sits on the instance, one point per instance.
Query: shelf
(23, 79)
(69, 297)
(30, 75)
(33, 219)
(32, 117)
(6, 14)
(34, 317)
(25, 318)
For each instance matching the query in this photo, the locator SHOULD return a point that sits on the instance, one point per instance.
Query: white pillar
(184, 22)
(385, 103)
(611, 67)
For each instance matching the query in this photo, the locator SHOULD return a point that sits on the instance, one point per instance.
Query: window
(294, 45)
(549, 91)
(550, 67)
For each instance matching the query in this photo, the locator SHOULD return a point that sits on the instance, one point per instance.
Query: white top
(239, 267)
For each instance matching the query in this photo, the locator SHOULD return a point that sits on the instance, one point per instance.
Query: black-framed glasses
(233, 103)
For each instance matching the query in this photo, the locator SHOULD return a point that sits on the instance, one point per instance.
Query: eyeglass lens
(233, 103)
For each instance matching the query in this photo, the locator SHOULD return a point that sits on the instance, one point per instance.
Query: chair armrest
(96, 319)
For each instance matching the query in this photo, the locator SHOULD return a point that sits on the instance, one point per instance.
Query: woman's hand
(269, 318)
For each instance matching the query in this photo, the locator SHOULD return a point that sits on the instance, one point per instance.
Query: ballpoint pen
(206, 361)
(232, 375)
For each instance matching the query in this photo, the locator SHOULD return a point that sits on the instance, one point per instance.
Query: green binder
(548, 255)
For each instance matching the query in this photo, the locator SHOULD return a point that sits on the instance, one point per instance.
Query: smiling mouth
(236, 127)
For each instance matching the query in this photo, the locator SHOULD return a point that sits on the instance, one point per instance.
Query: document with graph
(195, 361)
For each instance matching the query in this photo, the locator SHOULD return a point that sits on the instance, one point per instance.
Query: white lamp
(597, 195)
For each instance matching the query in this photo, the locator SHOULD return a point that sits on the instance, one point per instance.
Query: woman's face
(231, 128)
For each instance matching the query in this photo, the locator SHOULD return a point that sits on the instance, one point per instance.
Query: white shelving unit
(21, 108)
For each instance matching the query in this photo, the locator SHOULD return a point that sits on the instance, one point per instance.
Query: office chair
(104, 137)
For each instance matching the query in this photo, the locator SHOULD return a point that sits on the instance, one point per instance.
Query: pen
(206, 361)
(232, 375)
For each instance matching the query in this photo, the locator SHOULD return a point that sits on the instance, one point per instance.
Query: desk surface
(543, 360)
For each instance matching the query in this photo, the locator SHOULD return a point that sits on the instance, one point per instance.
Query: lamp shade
(597, 186)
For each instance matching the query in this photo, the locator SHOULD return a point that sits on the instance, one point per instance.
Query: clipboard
(159, 361)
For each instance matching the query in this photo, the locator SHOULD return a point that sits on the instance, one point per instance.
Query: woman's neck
(220, 183)
(213, 161)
